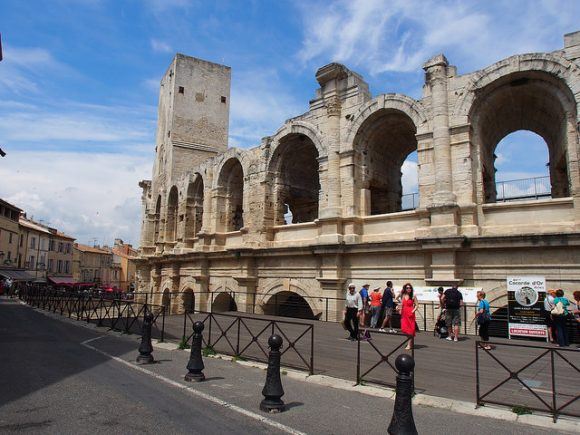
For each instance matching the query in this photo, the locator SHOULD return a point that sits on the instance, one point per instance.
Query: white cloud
(400, 35)
(85, 195)
(410, 177)
(160, 46)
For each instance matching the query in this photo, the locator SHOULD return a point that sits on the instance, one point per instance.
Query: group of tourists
(366, 308)
(557, 310)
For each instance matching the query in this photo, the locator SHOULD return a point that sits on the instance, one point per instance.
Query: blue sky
(79, 81)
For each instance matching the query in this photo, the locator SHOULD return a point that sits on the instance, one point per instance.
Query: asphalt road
(51, 383)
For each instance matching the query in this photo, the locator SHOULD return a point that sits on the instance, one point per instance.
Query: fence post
(184, 322)
(553, 385)
(311, 349)
(238, 338)
(358, 360)
(476, 374)
(425, 317)
(163, 325)
(326, 316)
(464, 319)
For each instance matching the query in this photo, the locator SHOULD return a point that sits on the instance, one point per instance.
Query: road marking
(193, 392)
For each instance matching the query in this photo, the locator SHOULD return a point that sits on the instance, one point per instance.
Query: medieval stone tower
(193, 125)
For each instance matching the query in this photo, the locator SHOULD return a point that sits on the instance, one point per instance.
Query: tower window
(223, 99)
(181, 90)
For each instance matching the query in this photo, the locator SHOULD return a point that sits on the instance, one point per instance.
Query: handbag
(558, 310)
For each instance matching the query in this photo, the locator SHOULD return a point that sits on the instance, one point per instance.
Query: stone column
(333, 111)
(436, 69)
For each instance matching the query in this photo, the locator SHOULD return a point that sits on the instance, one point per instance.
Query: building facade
(125, 255)
(93, 264)
(34, 247)
(320, 202)
(9, 235)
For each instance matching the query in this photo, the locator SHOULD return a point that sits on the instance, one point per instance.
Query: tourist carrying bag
(558, 310)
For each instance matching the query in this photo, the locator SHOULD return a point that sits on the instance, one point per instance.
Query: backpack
(452, 299)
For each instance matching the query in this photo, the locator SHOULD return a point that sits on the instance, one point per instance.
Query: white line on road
(197, 393)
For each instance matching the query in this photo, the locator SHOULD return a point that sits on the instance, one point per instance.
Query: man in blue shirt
(364, 293)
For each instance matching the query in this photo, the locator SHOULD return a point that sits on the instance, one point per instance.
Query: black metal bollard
(402, 422)
(146, 348)
(273, 390)
(195, 364)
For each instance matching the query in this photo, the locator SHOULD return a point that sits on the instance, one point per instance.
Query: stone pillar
(246, 298)
(333, 111)
(436, 69)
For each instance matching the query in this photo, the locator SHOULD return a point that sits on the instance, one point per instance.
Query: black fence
(526, 378)
(118, 314)
(375, 360)
(246, 337)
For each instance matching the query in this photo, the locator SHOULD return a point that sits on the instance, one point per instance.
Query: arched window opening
(521, 163)
(224, 302)
(157, 219)
(288, 304)
(166, 300)
(410, 182)
(539, 104)
(188, 301)
(171, 221)
(384, 143)
(297, 182)
(231, 184)
(194, 219)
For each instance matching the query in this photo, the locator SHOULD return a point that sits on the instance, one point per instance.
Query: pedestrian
(440, 296)
(547, 314)
(364, 293)
(483, 319)
(576, 310)
(560, 314)
(407, 308)
(388, 304)
(352, 309)
(453, 300)
(376, 299)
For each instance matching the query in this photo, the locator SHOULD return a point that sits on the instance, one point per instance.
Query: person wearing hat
(352, 310)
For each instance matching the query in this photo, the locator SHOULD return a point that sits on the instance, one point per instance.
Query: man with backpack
(453, 300)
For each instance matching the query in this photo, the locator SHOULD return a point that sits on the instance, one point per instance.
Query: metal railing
(551, 388)
(524, 188)
(118, 314)
(246, 337)
(409, 201)
(388, 349)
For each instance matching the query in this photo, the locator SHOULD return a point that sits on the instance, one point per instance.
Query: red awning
(62, 280)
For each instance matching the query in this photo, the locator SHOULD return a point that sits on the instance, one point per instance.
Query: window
(60, 247)
(33, 243)
(9, 253)
(68, 248)
(31, 263)
(51, 245)
(9, 237)
(59, 266)
(66, 266)
(223, 99)
(50, 264)
(21, 239)
(181, 90)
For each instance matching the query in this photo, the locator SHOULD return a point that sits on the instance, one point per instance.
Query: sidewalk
(319, 404)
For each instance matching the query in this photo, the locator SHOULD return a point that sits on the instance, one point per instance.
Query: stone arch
(230, 191)
(299, 128)
(267, 296)
(194, 207)
(166, 300)
(522, 99)
(171, 215)
(399, 102)
(382, 143)
(547, 63)
(294, 179)
(224, 301)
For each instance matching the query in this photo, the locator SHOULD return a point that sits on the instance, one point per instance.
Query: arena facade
(320, 203)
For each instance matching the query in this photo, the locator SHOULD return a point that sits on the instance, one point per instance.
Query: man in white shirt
(352, 309)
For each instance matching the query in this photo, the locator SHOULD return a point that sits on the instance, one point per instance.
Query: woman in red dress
(408, 306)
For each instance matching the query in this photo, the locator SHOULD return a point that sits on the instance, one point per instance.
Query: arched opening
(410, 182)
(288, 304)
(521, 163)
(194, 219)
(157, 219)
(231, 200)
(188, 300)
(383, 143)
(224, 302)
(533, 101)
(166, 301)
(171, 221)
(296, 180)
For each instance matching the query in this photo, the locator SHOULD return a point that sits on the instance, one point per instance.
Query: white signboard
(430, 294)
